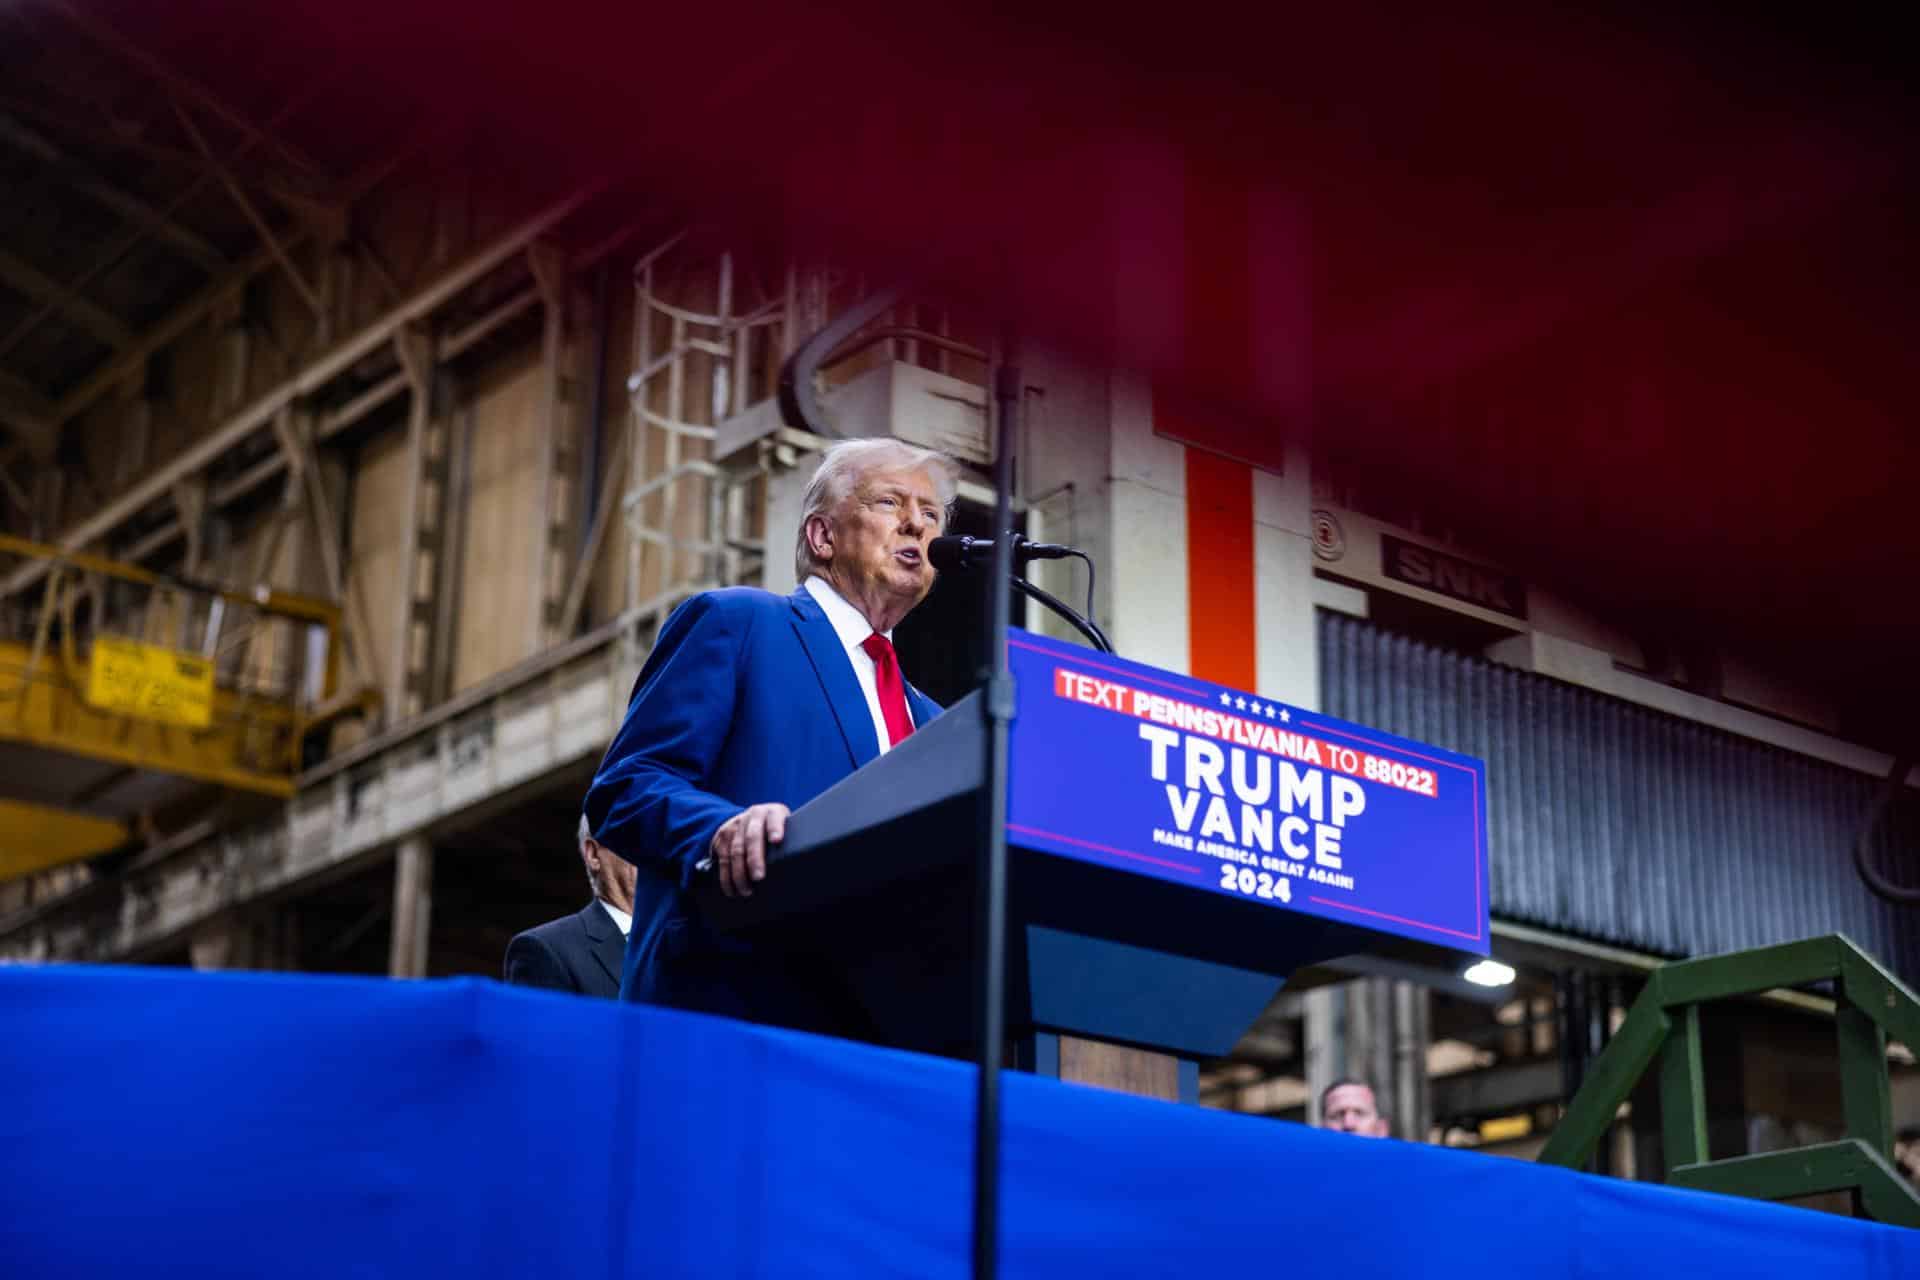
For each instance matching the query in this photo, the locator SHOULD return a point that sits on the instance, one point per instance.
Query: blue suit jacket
(747, 698)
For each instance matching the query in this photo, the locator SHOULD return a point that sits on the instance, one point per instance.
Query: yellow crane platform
(124, 691)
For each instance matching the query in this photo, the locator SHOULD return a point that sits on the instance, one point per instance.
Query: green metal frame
(1872, 1007)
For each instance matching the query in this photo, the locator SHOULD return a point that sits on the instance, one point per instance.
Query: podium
(1177, 850)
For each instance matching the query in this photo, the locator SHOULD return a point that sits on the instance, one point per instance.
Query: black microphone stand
(1084, 625)
(990, 879)
(800, 407)
(1022, 551)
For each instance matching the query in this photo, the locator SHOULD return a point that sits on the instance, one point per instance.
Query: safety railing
(1872, 1006)
(111, 661)
(712, 342)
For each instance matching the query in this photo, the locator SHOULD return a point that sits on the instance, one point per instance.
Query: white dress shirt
(853, 630)
(620, 917)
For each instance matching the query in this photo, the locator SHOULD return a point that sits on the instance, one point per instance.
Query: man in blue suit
(750, 705)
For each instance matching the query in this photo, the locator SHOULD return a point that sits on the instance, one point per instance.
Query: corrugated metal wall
(1626, 825)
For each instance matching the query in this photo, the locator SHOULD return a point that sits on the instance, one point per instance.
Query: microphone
(957, 551)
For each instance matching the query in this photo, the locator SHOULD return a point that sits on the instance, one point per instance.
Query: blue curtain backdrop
(159, 1123)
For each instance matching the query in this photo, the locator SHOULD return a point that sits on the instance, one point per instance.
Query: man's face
(1350, 1108)
(876, 543)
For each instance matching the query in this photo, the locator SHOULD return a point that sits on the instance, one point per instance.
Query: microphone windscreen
(948, 552)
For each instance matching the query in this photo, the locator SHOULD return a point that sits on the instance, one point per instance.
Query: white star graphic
(1285, 716)
(1240, 704)
(1269, 711)
(1226, 699)
(1255, 707)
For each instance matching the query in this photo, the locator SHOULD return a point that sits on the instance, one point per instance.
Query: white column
(1288, 646)
(1148, 504)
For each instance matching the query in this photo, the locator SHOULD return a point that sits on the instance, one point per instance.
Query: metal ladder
(704, 345)
(708, 346)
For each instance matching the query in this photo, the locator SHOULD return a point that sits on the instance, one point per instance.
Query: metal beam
(1619, 1068)
(188, 88)
(1497, 1090)
(118, 248)
(15, 494)
(1879, 995)
(190, 502)
(73, 174)
(192, 311)
(453, 474)
(603, 511)
(266, 232)
(261, 412)
(183, 318)
(338, 420)
(330, 220)
(50, 115)
(1848, 1165)
(297, 452)
(24, 278)
(34, 837)
(30, 415)
(412, 908)
(131, 142)
(549, 266)
(1745, 973)
(382, 273)
(415, 348)
(1865, 1087)
(1683, 1091)
(335, 421)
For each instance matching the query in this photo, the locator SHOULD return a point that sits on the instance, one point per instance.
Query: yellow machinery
(122, 691)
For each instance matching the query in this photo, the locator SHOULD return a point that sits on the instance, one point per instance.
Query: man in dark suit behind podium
(581, 952)
(750, 705)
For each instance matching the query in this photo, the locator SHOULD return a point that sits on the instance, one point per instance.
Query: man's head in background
(1350, 1107)
(610, 875)
(1906, 1153)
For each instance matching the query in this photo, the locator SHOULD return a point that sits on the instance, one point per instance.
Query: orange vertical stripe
(1220, 620)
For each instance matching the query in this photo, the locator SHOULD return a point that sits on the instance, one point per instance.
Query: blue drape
(157, 1122)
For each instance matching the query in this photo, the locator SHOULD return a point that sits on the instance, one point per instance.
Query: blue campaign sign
(1143, 770)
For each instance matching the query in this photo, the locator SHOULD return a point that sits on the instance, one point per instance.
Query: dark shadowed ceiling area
(1638, 282)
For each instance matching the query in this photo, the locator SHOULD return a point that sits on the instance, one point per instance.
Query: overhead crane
(123, 691)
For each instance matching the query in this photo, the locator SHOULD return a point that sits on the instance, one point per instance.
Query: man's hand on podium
(740, 847)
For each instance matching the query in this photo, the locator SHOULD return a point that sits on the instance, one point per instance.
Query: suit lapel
(609, 947)
(921, 706)
(837, 682)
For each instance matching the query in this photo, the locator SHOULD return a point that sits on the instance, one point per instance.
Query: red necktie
(893, 690)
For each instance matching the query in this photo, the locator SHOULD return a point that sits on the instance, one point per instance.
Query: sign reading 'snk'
(1224, 791)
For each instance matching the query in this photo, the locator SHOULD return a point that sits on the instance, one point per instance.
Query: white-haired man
(582, 952)
(750, 705)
